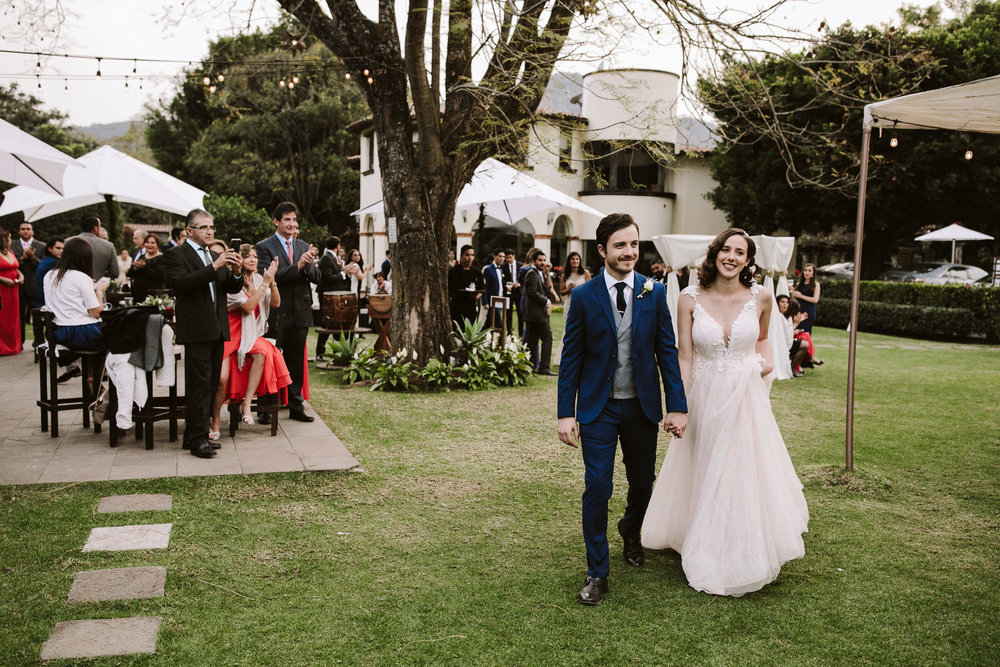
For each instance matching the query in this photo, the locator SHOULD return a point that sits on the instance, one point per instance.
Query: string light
(295, 78)
(134, 67)
(38, 64)
(66, 86)
(126, 84)
(140, 84)
(221, 78)
(291, 84)
(282, 83)
(212, 88)
(98, 70)
(893, 141)
(206, 81)
(347, 75)
(39, 82)
(371, 80)
(366, 72)
(968, 153)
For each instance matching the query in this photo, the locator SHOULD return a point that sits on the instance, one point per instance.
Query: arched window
(560, 240)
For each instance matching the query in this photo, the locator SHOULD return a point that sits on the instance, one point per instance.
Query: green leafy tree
(792, 132)
(243, 134)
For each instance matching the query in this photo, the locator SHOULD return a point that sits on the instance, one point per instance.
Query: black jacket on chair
(197, 318)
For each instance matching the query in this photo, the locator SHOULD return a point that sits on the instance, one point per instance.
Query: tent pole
(859, 234)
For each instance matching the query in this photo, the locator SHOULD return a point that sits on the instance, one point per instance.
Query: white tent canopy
(507, 194)
(680, 251)
(969, 107)
(30, 162)
(954, 232)
(108, 172)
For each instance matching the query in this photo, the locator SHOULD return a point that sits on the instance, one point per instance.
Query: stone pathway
(116, 636)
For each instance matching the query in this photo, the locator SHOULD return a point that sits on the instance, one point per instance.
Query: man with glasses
(201, 279)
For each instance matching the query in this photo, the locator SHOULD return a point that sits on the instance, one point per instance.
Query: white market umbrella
(954, 232)
(30, 162)
(510, 195)
(507, 194)
(108, 173)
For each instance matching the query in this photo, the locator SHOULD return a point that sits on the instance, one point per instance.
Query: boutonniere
(646, 288)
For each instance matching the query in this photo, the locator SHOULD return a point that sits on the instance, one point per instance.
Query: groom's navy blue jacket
(590, 344)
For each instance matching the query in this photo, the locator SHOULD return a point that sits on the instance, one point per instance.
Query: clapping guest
(798, 351)
(146, 272)
(357, 270)
(248, 312)
(10, 282)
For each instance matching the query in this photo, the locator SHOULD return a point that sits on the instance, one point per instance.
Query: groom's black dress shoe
(593, 591)
(632, 551)
(202, 450)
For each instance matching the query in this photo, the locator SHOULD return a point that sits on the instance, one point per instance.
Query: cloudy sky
(131, 29)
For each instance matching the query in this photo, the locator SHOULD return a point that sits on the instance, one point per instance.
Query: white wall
(630, 104)
(654, 215)
(693, 213)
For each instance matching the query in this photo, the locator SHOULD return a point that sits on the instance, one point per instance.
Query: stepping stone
(129, 538)
(125, 583)
(137, 502)
(102, 637)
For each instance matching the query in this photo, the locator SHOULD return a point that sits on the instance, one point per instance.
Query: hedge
(914, 309)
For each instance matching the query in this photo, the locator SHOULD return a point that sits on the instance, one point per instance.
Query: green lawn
(460, 542)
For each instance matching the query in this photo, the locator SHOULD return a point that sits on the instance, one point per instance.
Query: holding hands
(675, 423)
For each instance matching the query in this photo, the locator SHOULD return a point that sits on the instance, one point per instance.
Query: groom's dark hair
(611, 224)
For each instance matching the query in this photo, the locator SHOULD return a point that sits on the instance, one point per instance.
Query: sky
(135, 29)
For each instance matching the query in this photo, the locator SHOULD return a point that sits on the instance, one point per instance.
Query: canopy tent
(108, 173)
(954, 232)
(507, 195)
(969, 107)
(774, 253)
(30, 162)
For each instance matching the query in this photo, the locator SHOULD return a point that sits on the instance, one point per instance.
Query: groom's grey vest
(624, 384)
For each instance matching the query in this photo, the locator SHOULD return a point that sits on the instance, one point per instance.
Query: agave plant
(470, 341)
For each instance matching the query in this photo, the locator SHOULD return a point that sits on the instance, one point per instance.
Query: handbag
(99, 407)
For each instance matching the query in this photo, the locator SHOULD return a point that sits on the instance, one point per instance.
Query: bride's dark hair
(707, 273)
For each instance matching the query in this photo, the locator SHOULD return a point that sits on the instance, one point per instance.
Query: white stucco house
(592, 140)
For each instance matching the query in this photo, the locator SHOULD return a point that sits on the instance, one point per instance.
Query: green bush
(975, 308)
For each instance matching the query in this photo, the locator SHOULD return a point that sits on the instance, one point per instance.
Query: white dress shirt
(610, 281)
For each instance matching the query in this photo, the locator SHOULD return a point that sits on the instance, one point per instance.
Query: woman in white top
(357, 270)
(573, 275)
(75, 301)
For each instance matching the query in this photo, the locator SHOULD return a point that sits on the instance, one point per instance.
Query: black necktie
(620, 301)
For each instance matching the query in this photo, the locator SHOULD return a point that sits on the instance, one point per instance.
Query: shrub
(914, 309)
(362, 367)
(342, 349)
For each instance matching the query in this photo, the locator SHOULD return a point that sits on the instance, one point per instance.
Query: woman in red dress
(251, 364)
(10, 280)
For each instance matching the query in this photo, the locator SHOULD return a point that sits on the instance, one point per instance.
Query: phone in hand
(235, 244)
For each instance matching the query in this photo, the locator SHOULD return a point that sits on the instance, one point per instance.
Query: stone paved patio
(29, 456)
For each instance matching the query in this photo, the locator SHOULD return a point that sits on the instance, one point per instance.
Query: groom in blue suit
(618, 345)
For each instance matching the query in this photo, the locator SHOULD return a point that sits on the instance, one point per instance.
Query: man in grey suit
(536, 315)
(296, 269)
(105, 256)
(29, 252)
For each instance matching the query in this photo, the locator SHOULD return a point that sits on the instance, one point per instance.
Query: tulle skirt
(727, 498)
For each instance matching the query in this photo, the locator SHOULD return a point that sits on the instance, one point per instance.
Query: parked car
(944, 274)
(838, 271)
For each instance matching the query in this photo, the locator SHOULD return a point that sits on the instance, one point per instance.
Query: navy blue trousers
(620, 419)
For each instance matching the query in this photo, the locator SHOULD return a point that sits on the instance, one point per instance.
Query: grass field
(460, 543)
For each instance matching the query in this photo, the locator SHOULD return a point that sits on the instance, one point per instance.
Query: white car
(946, 274)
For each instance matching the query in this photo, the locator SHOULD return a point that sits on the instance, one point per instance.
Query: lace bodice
(709, 337)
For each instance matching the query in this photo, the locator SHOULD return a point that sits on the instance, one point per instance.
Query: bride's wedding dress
(727, 497)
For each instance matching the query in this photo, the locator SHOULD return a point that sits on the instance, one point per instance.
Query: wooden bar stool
(47, 353)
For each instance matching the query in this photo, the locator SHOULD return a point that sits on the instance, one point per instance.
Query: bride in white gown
(727, 498)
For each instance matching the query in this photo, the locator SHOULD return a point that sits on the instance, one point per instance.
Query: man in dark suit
(296, 269)
(176, 238)
(537, 331)
(511, 269)
(201, 279)
(619, 343)
(495, 275)
(29, 252)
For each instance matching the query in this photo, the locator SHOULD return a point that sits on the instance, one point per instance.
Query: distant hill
(106, 131)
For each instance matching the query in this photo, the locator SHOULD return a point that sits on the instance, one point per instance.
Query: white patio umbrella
(27, 161)
(507, 194)
(954, 232)
(108, 173)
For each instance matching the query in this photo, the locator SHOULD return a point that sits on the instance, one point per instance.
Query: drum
(380, 306)
(340, 310)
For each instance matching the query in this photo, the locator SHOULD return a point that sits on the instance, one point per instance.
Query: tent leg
(859, 234)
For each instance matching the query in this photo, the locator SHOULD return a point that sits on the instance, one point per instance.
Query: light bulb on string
(371, 80)
(893, 141)
(347, 75)
(282, 83)
(968, 153)
(212, 88)
(291, 84)
(66, 86)
(140, 84)
(221, 78)
(38, 64)
(206, 81)
(37, 79)
(98, 70)
(365, 72)
(134, 67)
(126, 84)
(295, 78)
